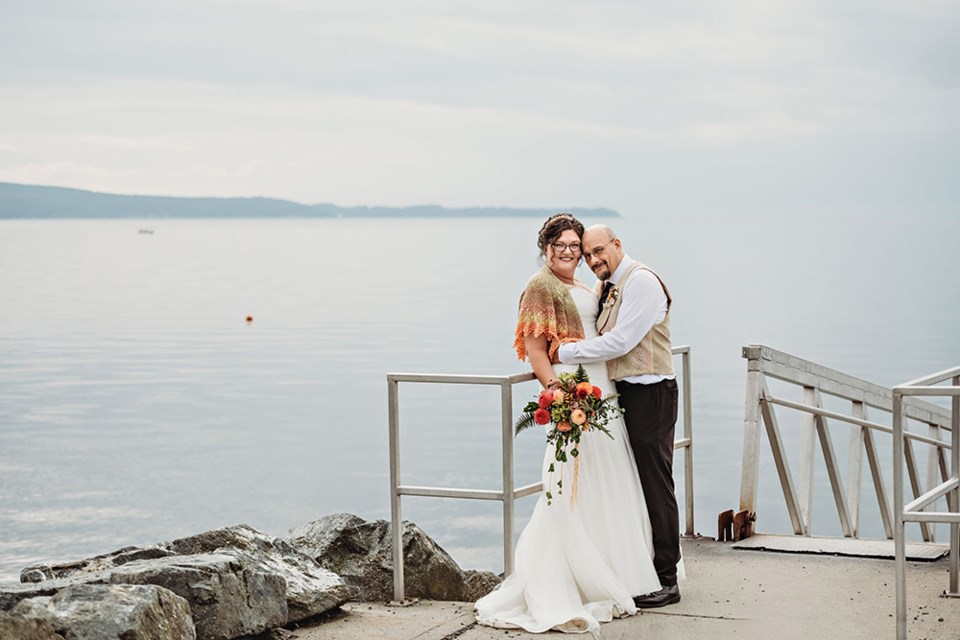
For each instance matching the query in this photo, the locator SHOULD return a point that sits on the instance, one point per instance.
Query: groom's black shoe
(661, 598)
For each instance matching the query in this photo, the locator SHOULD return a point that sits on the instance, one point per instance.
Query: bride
(582, 559)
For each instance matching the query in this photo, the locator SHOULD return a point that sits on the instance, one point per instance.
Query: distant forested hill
(29, 201)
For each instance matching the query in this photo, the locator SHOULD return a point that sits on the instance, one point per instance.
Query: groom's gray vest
(654, 353)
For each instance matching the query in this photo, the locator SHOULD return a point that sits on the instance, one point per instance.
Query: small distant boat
(145, 231)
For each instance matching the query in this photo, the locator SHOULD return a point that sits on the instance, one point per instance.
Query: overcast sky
(685, 107)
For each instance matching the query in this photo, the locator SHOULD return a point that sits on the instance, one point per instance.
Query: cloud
(249, 168)
(153, 143)
(747, 129)
(473, 102)
(738, 33)
(7, 148)
(67, 174)
(244, 170)
(212, 172)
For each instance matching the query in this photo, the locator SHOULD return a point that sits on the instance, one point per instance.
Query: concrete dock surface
(728, 593)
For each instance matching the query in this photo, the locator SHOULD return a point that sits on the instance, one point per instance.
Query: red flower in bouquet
(545, 400)
(573, 408)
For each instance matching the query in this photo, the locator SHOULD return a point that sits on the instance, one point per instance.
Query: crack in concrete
(459, 632)
(693, 615)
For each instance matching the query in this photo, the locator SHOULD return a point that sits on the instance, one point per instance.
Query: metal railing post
(750, 460)
(393, 404)
(933, 456)
(506, 408)
(808, 436)
(855, 466)
(898, 530)
(688, 450)
(955, 473)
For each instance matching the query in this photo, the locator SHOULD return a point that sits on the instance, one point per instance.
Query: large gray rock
(16, 627)
(310, 588)
(37, 573)
(360, 553)
(228, 597)
(112, 612)
(11, 595)
(479, 583)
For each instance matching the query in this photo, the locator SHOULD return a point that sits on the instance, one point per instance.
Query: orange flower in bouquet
(572, 408)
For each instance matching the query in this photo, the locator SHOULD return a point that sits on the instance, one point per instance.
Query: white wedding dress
(580, 564)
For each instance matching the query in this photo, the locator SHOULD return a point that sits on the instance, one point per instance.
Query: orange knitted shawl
(546, 308)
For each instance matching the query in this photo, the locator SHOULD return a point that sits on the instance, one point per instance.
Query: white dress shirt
(643, 305)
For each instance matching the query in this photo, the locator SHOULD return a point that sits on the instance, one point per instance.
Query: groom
(634, 327)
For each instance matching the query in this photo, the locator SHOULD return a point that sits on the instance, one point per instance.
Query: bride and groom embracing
(616, 547)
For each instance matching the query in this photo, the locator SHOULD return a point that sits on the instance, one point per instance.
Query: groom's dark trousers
(650, 414)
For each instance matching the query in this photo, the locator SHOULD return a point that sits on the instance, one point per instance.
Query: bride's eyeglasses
(560, 247)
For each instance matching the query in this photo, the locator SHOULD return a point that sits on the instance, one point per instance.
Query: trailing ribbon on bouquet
(576, 473)
(575, 454)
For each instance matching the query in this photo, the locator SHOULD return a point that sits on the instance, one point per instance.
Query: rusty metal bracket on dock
(732, 527)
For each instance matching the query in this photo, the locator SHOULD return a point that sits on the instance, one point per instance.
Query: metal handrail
(826, 413)
(950, 487)
(816, 380)
(508, 494)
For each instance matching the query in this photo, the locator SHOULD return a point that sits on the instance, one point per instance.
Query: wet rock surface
(234, 582)
(228, 598)
(310, 588)
(16, 626)
(110, 612)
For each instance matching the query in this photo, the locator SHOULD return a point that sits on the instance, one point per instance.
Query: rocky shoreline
(228, 583)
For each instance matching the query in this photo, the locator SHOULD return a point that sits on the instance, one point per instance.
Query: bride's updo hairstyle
(553, 227)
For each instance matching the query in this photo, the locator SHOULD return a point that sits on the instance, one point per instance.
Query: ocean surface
(138, 404)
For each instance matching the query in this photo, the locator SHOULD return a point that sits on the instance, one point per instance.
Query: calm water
(138, 405)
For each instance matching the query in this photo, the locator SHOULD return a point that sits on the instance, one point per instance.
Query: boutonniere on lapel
(612, 297)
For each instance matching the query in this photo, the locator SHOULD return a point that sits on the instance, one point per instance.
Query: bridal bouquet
(572, 406)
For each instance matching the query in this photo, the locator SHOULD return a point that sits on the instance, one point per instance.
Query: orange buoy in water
(249, 318)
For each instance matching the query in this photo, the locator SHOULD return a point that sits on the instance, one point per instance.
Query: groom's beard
(602, 271)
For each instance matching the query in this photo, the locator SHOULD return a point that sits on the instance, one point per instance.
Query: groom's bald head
(602, 232)
(602, 251)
